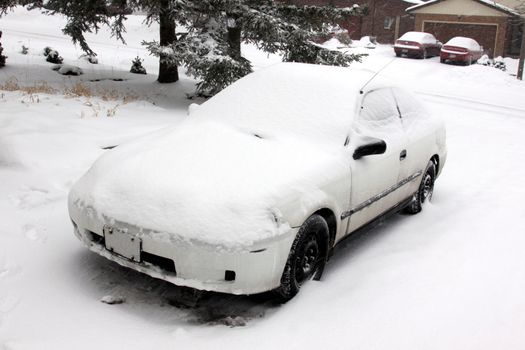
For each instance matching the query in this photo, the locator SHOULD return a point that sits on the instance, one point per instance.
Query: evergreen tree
(211, 50)
(211, 47)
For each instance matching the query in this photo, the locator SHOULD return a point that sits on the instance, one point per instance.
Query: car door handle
(403, 154)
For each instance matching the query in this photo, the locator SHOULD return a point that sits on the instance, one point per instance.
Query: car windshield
(290, 101)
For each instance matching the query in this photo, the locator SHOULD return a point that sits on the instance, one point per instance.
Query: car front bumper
(241, 270)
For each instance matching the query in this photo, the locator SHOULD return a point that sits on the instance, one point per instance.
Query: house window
(388, 23)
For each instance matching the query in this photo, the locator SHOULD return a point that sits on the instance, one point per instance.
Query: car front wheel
(425, 190)
(306, 256)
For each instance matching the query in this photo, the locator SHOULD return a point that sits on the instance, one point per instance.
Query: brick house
(386, 20)
(495, 25)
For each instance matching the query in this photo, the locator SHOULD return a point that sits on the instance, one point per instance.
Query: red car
(461, 50)
(417, 44)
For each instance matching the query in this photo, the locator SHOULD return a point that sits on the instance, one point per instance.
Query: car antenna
(361, 91)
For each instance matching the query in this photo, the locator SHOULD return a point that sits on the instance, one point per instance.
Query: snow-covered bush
(498, 62)
(370, 42)
(2, 57)
(66, 69)
(484, 60)
(52, 55)
(46, 51)
(24, 50)
(90, 58)
(334, 32)
(136, 66)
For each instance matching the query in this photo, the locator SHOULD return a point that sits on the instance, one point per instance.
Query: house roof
(491, 4)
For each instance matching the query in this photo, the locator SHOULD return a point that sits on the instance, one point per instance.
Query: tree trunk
(234, 42)
(168, 73)
(522, 50)
(234, 38)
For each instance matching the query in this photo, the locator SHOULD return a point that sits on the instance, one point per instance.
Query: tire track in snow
(474, 104)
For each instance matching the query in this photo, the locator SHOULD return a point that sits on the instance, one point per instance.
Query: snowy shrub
(500, 64)
(484, 60)
(90, 58)
(66, 69)
(46, 51)
(24, 50)
(334, 32)
(136, 66)
(496, 63)
(52, 55)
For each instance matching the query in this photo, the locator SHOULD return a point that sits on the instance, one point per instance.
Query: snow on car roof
(419, 37)
(286, 100)
(467, 43)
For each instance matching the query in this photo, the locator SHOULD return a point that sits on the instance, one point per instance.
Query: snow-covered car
(255, 188)
(461, 50)
(417, 44)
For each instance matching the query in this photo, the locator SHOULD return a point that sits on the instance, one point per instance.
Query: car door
(417, 125)
(375, 177)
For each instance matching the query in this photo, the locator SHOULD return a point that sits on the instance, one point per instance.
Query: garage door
(484, 34)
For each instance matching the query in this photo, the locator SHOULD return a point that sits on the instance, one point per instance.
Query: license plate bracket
(121, 242)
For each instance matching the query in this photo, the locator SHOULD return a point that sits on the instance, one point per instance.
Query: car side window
(379, 115)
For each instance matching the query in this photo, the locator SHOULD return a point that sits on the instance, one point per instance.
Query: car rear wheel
(425, 190)
(306, 256)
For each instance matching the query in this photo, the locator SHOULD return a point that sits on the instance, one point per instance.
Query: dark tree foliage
(211, 48)
(2, 57)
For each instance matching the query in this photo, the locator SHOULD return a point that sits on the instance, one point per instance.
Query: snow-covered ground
(452, 277)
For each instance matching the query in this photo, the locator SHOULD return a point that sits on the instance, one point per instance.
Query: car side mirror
(374, 146)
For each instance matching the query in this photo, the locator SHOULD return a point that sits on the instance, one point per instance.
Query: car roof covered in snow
(467, 43)
(420, 37)
(287, 100)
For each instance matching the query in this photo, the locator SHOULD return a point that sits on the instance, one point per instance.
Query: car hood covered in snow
(190, 182)
(273, 139)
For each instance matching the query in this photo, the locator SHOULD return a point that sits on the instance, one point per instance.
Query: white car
(255, 188)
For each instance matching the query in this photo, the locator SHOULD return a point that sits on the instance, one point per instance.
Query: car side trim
(380, 196)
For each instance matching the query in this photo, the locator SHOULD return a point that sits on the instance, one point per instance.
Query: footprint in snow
(32, 197)
(33, 234)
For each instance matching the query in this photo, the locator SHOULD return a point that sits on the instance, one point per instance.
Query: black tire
(425, 190)
(442, 60)
(306, 255)
(424, 55)
(398, 54)
(469, 61)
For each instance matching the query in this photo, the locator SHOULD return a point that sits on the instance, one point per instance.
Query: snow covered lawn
(452, 277)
